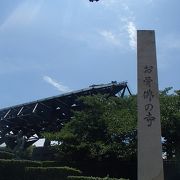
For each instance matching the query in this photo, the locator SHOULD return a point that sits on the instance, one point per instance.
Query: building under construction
(30, 120)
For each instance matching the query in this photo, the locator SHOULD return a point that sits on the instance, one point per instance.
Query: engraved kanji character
(148, 94)
(148, 80)
(149, 118)
(148, 107)
(148, 69)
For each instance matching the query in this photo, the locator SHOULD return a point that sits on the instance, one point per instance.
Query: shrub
(50, 173)
(91, 178)
(52, 164)
(15, 169)
(6, 155)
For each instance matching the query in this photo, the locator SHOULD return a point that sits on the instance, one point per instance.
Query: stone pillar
(150, 163)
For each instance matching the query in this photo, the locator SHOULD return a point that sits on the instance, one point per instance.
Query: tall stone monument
(150, 163)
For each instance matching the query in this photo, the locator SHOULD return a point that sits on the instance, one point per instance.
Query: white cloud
(25, 13)
(131, 29)
(110, 3)
(59, 86)
(129, 12)
(127, 26)
(110, 37)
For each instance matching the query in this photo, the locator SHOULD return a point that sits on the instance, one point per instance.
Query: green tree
(104, 129)
(170, 118)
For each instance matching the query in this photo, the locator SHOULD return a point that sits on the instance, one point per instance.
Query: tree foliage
(104, 129)
(170, 118)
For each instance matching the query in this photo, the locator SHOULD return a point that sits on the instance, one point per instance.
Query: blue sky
(50, 47)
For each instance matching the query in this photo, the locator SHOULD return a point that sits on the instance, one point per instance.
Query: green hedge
(52, 164)
(6, 155)
(91, 178)
(50, 173)
(33, 170)
(15, 169)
